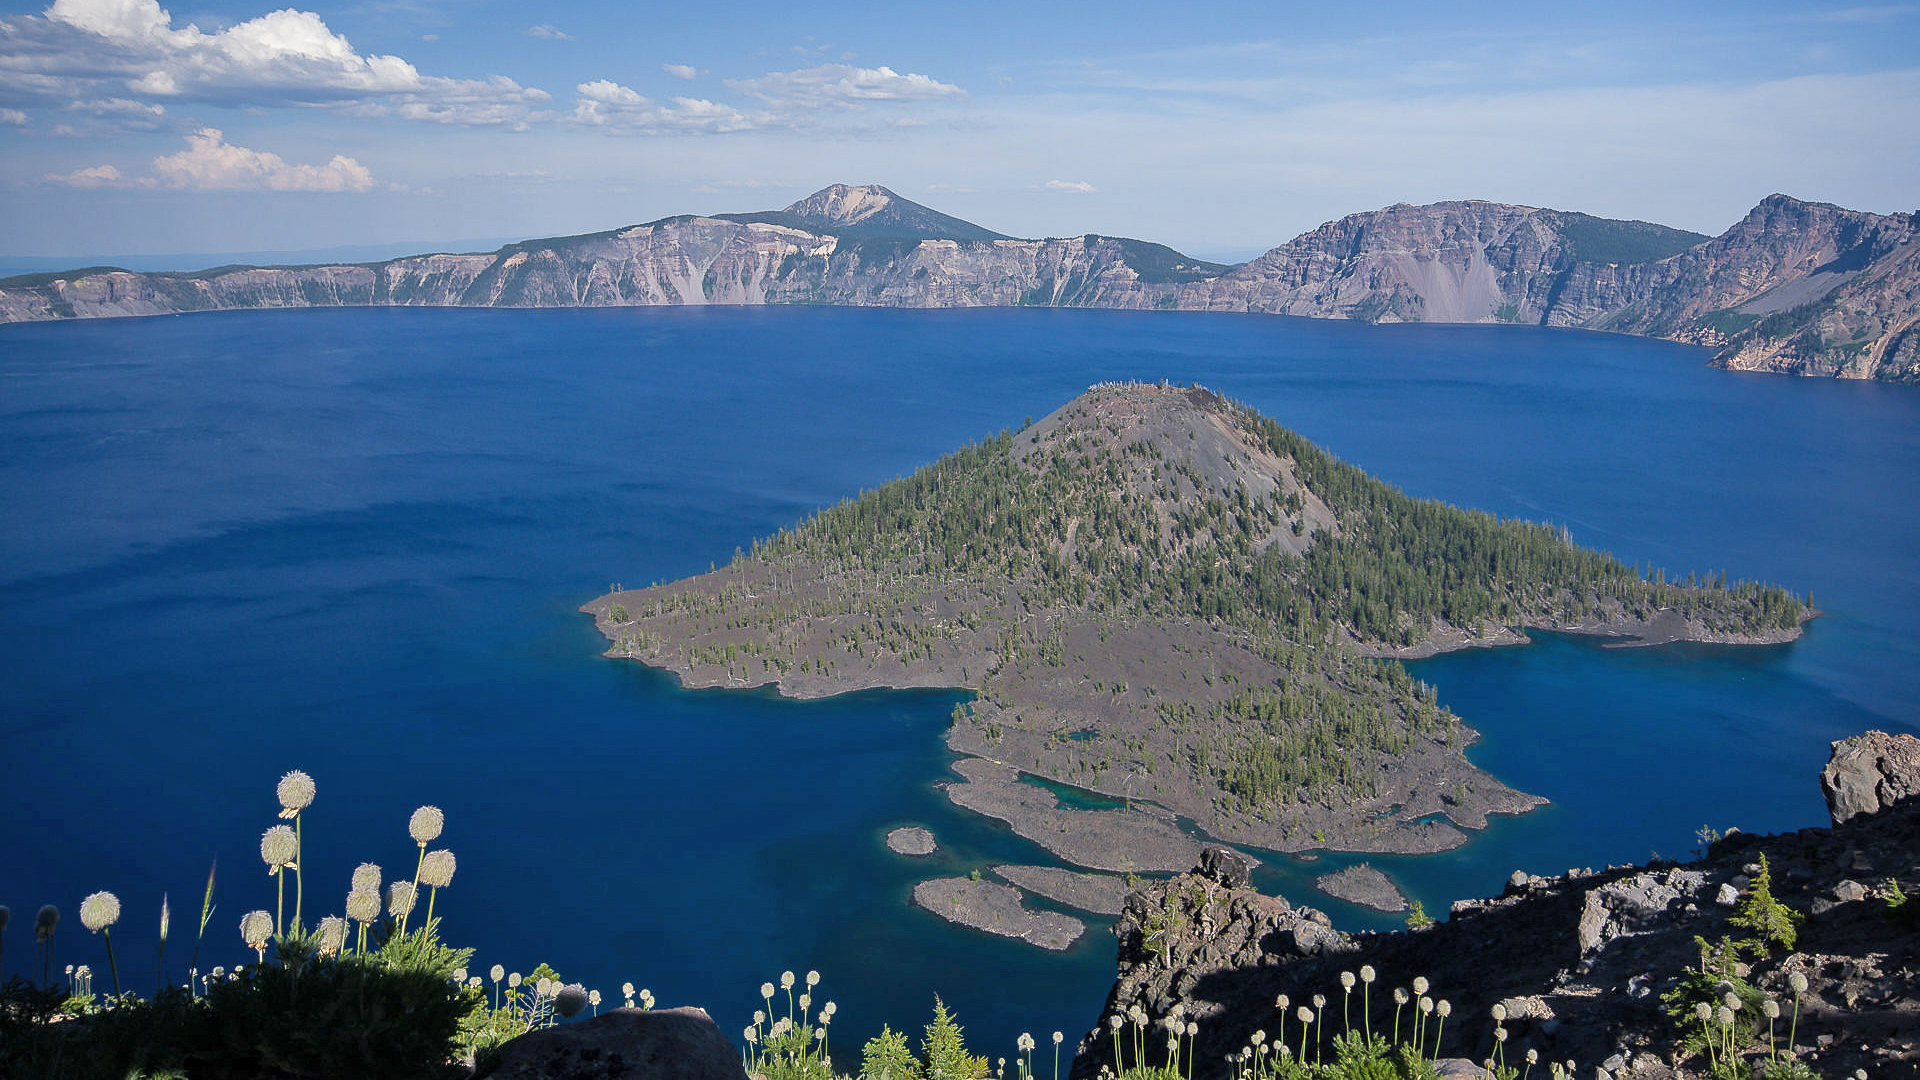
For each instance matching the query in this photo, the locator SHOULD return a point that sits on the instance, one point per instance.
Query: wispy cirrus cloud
(549, 31)
(606, 104)
(102, 49)
(1078, 187)
(839, 86)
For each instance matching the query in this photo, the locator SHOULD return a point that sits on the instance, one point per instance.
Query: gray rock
(1849, 891)
(911, 840)
(1226, 866)
(1868, 773)
(1727, 896)
(625, 1044)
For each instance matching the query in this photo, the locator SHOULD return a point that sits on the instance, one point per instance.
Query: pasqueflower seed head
(99, 911)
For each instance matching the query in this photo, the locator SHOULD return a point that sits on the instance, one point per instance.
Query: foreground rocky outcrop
(1579, 961)
(1795, 287)
(624, 1044)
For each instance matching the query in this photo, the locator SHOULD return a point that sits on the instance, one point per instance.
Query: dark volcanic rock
(1870, 772)
(625, 1044)
(1365, 885)
(1578, 962)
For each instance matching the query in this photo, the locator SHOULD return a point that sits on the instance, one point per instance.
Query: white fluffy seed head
(436, 868)
(333, 934)
(400, 898)
(1400, 995)
(1419, 984)
(99, 911)
(255, 928)
(1305, 1014)
(766, 990)
(1771, 1008)
(1702, 1011)
(496, 973)
(593, 997)
(1724, 1015)
(1731, 1000)
(279, 846)
(1798, 981)
(1192, 1029)
(1426, 1004)
(568, 1000)
(1499, 1013)
(295, 791)
(425, 825)
(363, 905)
(813, 979)
(1366, 973)
(367, 876)
(513, 981)
(1347, 980)
(1281, 1002)
(1057, 1036)
(1444, 1008)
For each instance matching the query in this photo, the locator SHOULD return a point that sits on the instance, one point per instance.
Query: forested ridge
(1071, 524)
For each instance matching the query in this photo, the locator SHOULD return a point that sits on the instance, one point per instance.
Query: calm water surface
(353, 542)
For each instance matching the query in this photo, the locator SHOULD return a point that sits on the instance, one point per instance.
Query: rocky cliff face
(1796, 287)
(1578, 963)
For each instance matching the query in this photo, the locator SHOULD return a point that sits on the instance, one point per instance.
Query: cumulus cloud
(97, 176)
(1077, 186)
(681, 71)
(548, 30)
(839, 86)
(100, 48)
(210, 163)
(14, 117)
(607, 104)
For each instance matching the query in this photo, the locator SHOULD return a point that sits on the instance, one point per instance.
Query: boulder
(625, 1044)
(1227, 867)
(1868, 773)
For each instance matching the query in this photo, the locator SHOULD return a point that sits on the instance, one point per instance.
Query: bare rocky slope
(1579, 963)
(1798, 287)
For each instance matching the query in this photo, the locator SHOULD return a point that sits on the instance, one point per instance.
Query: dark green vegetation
(392, 1012)
(1159, 592)
(1394, 567)
(1606, 240)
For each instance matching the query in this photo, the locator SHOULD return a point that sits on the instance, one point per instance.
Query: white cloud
(14, 117)
(839, 86)
(99, 48)
(1077, 186)
(210, 163)
(681, 71)
(97, 176)
(547, 30)
(607, 104)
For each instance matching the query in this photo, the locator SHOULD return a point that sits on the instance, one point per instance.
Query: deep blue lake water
(353, 542)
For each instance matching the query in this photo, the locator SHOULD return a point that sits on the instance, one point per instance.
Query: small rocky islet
(912, 840)
(1365, 885)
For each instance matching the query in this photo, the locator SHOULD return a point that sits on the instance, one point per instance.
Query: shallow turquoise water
(353, 541)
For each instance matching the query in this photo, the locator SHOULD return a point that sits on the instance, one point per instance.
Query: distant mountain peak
(870, 212)
(844, 204)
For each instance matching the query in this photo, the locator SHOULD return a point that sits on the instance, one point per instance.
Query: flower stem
(107, 933)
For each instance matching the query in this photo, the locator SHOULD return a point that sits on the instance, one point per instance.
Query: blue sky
(132, 127)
